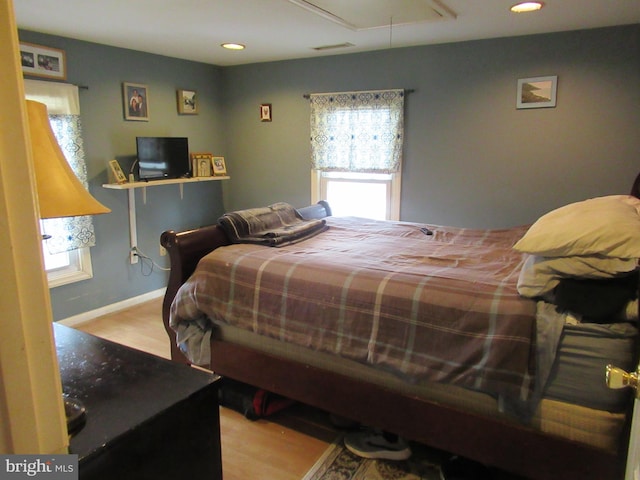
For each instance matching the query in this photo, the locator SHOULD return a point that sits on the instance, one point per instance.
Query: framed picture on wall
(40, 61)
(537, 92)
(265, 112)
(187, 102)
(135, 98)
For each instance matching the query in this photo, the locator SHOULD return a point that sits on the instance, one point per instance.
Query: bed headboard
(313, 212)
(635, 189)
(187, 248)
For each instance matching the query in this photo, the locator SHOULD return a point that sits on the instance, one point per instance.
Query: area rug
(338, 463)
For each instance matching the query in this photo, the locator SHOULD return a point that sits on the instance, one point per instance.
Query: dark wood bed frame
(513, 448)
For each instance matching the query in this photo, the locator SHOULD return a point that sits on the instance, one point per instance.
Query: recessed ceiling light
(233, 46)
(524, 7)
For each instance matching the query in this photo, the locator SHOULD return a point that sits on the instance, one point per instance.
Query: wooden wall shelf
(131, 188)
(156, 183)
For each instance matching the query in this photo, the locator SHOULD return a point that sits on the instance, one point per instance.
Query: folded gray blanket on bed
(276, 225)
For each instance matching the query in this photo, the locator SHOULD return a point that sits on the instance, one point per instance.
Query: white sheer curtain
(63, 104)
(357, 131)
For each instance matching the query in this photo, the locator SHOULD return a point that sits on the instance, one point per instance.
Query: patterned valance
(357, 131)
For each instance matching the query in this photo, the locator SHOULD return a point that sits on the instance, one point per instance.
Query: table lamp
(60, 194)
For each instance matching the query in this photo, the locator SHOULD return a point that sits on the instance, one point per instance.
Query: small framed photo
(40, 61)
(537, 92)
(202, 164)
(118, 174)
(135, 97)
(187, 103)
(219, 167)
(265, 112)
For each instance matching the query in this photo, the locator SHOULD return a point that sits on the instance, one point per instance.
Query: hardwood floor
(283, 447)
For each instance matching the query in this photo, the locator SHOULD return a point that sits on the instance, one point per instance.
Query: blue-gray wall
(470, 158)
(107, 136)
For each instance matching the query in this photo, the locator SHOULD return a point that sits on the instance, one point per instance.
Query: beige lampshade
(60, 193)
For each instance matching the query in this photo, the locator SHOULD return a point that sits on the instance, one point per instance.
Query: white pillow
(607, 226)
(540, 275)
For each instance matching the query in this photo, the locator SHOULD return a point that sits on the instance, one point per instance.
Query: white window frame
(319, 188)
(79, 268)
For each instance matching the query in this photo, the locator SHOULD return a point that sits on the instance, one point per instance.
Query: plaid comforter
(439, 307)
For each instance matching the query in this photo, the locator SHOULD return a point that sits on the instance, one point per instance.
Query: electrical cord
(132, 169)
(146, 260)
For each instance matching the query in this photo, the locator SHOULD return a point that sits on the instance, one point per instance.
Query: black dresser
(147, 417)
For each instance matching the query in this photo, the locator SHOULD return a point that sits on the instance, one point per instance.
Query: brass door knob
(618, 378)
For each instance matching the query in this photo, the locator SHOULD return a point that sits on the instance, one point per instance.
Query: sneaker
(373, 444)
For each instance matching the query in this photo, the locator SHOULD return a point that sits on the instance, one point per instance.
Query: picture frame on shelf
(537, 92)
(41, 61)
(265, 112)
(219, 166)
(118, 175)
(135, 98)
(187, 102)
(202, 164)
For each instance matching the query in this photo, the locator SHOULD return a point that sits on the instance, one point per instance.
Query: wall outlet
(133, 258)
(163, 251)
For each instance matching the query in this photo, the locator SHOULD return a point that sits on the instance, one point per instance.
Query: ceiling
(287, 29)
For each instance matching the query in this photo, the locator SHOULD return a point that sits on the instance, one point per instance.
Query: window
(356, 143)
(66, 254)
(369, 195)
(67, 267)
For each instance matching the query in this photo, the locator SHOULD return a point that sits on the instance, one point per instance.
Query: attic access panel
(366, 14)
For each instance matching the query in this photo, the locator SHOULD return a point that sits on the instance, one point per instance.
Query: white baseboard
(114, 307)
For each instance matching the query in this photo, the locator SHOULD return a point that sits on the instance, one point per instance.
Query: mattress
(577, 375)
(576, 405)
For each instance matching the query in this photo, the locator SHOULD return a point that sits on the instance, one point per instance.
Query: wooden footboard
(185, 251)
(523, 451)
(514, 448)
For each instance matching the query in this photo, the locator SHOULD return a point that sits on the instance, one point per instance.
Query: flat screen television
(163, 157)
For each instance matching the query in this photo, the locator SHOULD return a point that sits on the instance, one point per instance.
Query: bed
(485, 357)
